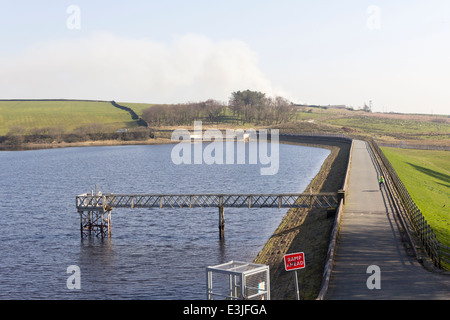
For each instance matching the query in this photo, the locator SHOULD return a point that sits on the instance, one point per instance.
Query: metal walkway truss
(95, 209)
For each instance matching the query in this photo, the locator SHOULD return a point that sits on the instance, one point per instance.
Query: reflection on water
(153, 253)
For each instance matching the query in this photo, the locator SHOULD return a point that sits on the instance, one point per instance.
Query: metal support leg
(221, 223)
(109, 223)
(98, 222)
(85, 223)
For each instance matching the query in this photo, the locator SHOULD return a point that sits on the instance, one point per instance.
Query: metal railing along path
(438, 252)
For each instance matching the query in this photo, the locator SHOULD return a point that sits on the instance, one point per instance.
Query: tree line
(182, 114)
(243, 107)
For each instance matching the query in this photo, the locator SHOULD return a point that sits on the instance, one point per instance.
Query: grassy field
(67, 114)
(381, 126)
(426, 175)
(387, 127)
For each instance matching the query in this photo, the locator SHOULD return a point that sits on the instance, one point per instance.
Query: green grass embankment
(426, 176)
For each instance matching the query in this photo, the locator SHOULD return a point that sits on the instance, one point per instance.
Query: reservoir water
(156, 254)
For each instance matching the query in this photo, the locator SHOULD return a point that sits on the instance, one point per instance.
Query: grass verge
(426, 176)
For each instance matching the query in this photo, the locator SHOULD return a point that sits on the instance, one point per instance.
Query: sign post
(297, 292)
(294, 262)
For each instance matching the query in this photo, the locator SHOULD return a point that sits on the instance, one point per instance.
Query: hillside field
(415, 129)
(66, 114)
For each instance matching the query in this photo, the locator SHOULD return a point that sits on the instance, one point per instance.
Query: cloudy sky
(393, 53)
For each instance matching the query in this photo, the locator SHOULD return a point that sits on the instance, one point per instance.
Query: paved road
(369, 236)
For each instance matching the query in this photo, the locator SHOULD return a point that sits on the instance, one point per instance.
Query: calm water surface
(153, 253)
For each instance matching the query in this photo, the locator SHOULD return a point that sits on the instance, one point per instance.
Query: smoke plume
(104, 66)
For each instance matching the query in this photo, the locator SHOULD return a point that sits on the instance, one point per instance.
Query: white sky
(394, 53)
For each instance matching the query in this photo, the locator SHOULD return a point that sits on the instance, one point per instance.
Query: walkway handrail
(97, 202)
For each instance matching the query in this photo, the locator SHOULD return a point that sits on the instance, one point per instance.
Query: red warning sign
(294, 261)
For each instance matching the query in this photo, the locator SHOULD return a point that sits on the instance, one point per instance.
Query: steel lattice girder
(105, 202)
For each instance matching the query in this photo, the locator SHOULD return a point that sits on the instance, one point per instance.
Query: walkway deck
(369, 235)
